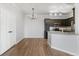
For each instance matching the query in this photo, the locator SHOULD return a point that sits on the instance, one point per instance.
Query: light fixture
(60, 9)
(60, 14)
(50, 14)
(55, 14)
(33, 14)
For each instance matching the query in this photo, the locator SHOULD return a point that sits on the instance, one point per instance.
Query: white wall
(35, 28)
(77, 25)
(19, 27)
(0, 29)
(77, 18)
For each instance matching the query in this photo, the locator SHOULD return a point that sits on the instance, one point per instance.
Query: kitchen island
(63, 41)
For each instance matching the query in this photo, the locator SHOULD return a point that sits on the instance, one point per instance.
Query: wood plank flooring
(33, 47)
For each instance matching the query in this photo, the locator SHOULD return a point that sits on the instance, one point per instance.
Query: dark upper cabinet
(54, 23)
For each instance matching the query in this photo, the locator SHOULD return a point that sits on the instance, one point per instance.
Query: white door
(11, 29)
(8, 30)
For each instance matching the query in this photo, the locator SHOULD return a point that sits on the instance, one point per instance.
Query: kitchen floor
(33, 47)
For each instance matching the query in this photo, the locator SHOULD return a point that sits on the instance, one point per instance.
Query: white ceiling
(44, 8)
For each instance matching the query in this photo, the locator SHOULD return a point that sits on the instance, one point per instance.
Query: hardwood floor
(33, 47)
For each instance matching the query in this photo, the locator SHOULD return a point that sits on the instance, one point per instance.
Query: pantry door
(8, 30)
(11, 29)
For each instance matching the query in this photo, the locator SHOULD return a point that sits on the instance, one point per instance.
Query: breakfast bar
(63, 41)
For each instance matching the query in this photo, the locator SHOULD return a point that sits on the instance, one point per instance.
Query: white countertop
(65, 33)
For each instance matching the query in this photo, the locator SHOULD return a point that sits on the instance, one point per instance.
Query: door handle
(10, 31)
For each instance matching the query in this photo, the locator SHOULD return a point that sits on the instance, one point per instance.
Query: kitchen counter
(63, 41)
(63, 33)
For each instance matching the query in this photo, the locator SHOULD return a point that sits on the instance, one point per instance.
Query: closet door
(8, 30)
(11, 28)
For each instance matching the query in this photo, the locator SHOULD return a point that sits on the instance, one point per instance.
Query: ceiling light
(64, 8)
(55, 14)
(33, 13)
(60, 14)
(50, 14)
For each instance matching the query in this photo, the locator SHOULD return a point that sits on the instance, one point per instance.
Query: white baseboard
(19, 40)
(1, 52)
(64, 51)
(34, 37)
